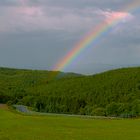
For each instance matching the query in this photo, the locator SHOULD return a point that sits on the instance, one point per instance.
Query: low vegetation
(14, 126)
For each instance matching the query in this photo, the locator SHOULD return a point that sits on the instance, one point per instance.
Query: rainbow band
(94, 36)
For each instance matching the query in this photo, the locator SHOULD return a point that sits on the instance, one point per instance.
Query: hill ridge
(111, 93)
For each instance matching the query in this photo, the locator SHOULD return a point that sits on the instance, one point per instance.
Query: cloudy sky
(37, 34)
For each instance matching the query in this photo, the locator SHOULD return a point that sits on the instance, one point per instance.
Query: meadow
(15, 126)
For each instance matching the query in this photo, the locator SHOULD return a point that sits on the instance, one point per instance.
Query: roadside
(3, 106)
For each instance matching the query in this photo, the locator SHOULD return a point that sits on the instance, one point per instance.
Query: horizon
(84, 74)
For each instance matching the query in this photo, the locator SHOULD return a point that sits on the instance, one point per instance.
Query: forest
(112, 93)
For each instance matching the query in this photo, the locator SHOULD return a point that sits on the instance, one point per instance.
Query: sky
(37, 34)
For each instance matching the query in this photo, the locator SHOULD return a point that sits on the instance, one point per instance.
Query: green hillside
(112, 93)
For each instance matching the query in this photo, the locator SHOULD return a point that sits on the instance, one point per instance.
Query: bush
(98, 112)
(9, 103)
(112, 109)
(136, 107)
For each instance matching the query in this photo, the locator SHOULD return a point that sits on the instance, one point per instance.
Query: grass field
(14, 126)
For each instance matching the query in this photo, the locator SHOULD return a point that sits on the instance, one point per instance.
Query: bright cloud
(29, 15)
(28, 18)
(116, 15)
(47, 18)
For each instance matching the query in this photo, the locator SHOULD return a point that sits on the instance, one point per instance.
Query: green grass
(14, 126)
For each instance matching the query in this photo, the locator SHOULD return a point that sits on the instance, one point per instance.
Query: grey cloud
(8, 3)
(41, 32)
(78, 4)
(45, 18)
(84, 3)
(38, 50)
(90, 2)
(16, 2)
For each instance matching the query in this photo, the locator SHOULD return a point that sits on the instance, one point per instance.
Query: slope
(112, 93)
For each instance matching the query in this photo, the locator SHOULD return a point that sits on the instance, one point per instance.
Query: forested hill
(112, 93)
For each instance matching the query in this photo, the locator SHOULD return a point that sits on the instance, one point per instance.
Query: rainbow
(94, 36)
